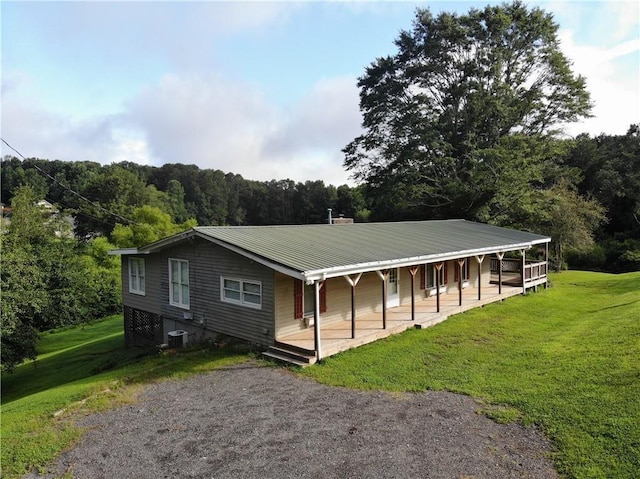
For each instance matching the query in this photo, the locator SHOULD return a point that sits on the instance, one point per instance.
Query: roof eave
(124, 252)
(326, 273)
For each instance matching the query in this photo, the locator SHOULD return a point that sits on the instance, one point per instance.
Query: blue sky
(264, 89)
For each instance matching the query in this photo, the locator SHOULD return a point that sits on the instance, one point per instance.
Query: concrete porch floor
(336, 336)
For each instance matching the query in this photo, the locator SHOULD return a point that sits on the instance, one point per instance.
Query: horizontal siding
(152, 298)
(207, 263)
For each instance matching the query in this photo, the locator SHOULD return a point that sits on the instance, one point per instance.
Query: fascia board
(124, 252)
(322, 274)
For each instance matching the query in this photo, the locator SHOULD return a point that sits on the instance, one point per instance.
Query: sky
(267, 90)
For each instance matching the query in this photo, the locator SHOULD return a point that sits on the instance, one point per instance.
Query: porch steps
(290, 354)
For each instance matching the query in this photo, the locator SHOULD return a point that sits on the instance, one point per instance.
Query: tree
(568, 218)
(439, 114)
(151, 224)
(46, 279)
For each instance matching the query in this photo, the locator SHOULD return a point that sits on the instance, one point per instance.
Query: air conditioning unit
(178, 339)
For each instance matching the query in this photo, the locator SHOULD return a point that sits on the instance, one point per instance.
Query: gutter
(323, 274)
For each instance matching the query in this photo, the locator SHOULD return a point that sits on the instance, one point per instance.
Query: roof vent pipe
(330, 219)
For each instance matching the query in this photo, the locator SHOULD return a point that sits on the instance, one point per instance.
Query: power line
(97, 205)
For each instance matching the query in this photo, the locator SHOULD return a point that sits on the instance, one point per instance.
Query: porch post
(316, 316)
(546, 267)
(460, 279)
(523, 252)
(479, 259)
(384, 276)
(438, 267)
(353, 283)
(500, 256)
(413, 270)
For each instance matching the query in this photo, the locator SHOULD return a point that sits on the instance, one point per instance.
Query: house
(309, 291)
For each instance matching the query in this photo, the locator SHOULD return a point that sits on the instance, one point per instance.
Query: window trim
(241, 301)
(180, 303)
(139, 291)
(431, 272)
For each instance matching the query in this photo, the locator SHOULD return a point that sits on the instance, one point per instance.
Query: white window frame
(242, 292)
(137, 276)
(182, 302)
(430, 272)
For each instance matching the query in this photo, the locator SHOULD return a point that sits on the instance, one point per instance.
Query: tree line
(463, 121)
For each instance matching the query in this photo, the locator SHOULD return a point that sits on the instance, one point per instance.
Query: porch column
(413, 270)
(546, 267)
(353, 283)
(316, 316)
(479, 259)
(523, 253)
(384, 276)
(438, 267)
(500, 256)
(460, 280)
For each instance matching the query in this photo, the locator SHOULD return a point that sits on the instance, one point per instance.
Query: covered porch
(301, 347)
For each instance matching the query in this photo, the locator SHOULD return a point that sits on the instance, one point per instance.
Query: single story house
(308, 291)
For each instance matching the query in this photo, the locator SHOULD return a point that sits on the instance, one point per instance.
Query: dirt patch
(250, 421)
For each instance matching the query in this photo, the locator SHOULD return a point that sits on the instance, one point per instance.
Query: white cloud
(221, 124)
(612, 80)
(312, 136)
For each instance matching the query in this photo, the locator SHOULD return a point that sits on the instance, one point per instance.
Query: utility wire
(97, 205)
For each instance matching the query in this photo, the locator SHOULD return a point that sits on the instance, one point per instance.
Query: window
(465, 270)
(304, 299)
(431, 271)
(241, 291)
(136, 276)
(179, 283)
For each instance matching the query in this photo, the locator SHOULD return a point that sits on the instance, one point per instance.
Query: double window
(136, 276)
(431, 272)
(179, 283)
(241, 291)
(465, 270)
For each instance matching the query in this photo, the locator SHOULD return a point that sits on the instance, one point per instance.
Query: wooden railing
(533, 270)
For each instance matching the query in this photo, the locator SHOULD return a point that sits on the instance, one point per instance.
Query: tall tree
(439, 113)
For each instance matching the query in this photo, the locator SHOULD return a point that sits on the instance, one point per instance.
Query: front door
(393, 295)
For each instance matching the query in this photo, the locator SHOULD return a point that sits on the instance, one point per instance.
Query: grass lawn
(73, 365)
(566, 359)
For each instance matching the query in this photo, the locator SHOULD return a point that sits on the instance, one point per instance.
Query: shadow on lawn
(72, 364)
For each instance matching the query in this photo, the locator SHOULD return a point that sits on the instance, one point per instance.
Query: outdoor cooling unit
(177, 339)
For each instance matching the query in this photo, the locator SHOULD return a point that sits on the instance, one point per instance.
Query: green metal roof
(320, 251)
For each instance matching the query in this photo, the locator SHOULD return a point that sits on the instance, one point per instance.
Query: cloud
(613, 81)
(221, 124)
(38, 133)
(315, 130)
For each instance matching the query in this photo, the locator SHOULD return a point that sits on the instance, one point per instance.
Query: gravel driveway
(250, 421)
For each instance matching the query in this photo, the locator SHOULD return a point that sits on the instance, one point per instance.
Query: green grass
(80, 370)
(566, 359)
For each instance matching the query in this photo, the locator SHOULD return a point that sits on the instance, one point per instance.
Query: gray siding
(152, 299)
(207, 263)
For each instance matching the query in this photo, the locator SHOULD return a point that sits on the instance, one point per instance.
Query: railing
(533, 270)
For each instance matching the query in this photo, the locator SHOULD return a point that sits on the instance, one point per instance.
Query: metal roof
(320, 251)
